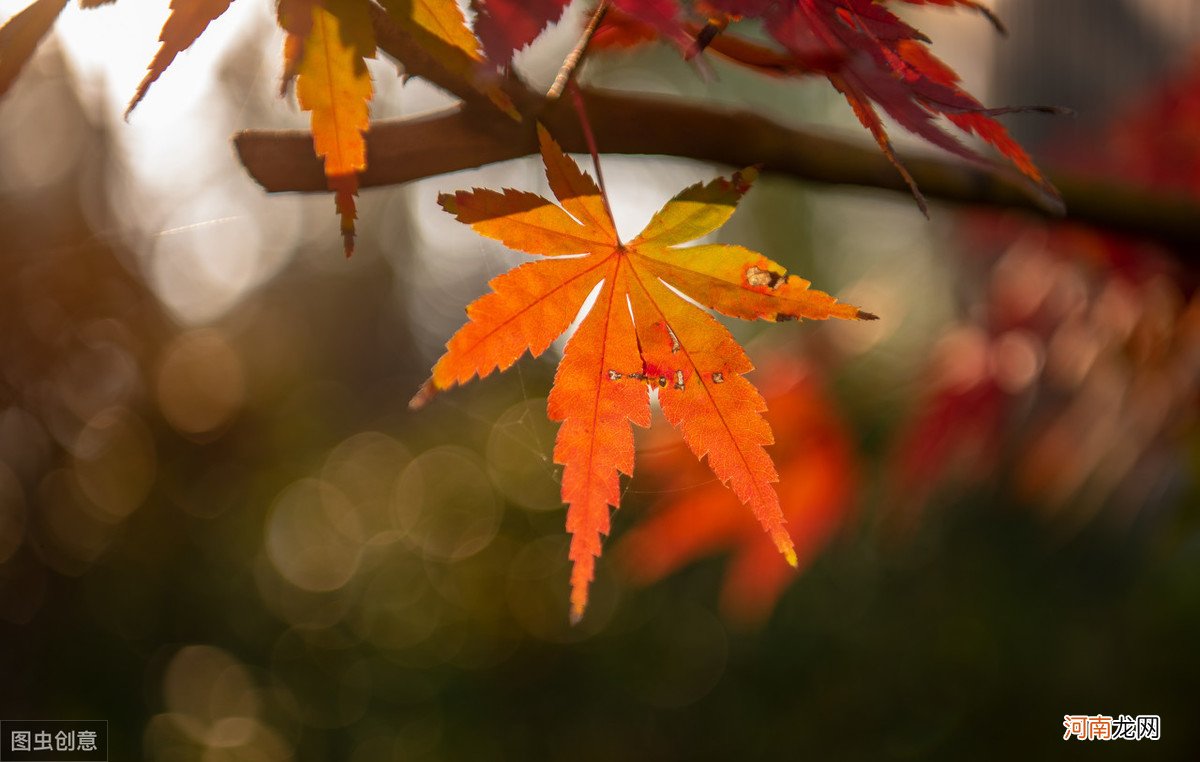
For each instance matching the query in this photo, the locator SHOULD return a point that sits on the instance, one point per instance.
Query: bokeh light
(518, 455)
(314, 537)
(200, 383)
(445, 505)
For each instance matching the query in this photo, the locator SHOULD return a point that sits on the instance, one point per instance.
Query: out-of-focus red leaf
(620, 31)
(818, 481)
(663, 16)
(1157, 142)
(1069, 377)
(956, 425)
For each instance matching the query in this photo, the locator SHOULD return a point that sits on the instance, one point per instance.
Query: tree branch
(473, 134)
(464, 137)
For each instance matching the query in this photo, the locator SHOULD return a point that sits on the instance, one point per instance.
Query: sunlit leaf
(188, 20)
(333, 83)
(639, 335)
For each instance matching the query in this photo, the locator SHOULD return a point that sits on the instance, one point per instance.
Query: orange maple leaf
(639, 334)
(295, 18)
(188, 20)
(333, 83)
(819, 473)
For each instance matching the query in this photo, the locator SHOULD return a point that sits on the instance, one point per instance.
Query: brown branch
(473, 134)
(464, 137)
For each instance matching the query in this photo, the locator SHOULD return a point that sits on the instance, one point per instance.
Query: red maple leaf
(506, 26)
(871, 56)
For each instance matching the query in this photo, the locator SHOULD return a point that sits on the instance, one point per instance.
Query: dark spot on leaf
(784, 317)
(662, 381)
(758, 277)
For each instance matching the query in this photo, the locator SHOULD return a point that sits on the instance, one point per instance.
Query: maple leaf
(1154, 142)
(188, 20)
(817, 487)
(440, 28)
(295, 18)
(506, 26)
(639, 334)
(620, 31)
(869, 55)
(955, 429)
(663, 16)
(20, 35)
(332, 82)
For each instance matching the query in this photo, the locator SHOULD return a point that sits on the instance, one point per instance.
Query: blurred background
(222, 530)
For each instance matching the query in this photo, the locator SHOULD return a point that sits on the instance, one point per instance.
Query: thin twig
(573, 59)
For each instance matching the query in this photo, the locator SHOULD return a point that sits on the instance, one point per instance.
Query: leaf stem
(590, 138)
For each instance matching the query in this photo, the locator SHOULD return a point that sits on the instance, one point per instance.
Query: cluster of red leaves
(868, 54)
(1157, 143)
(1074, 388)
(698, 517)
